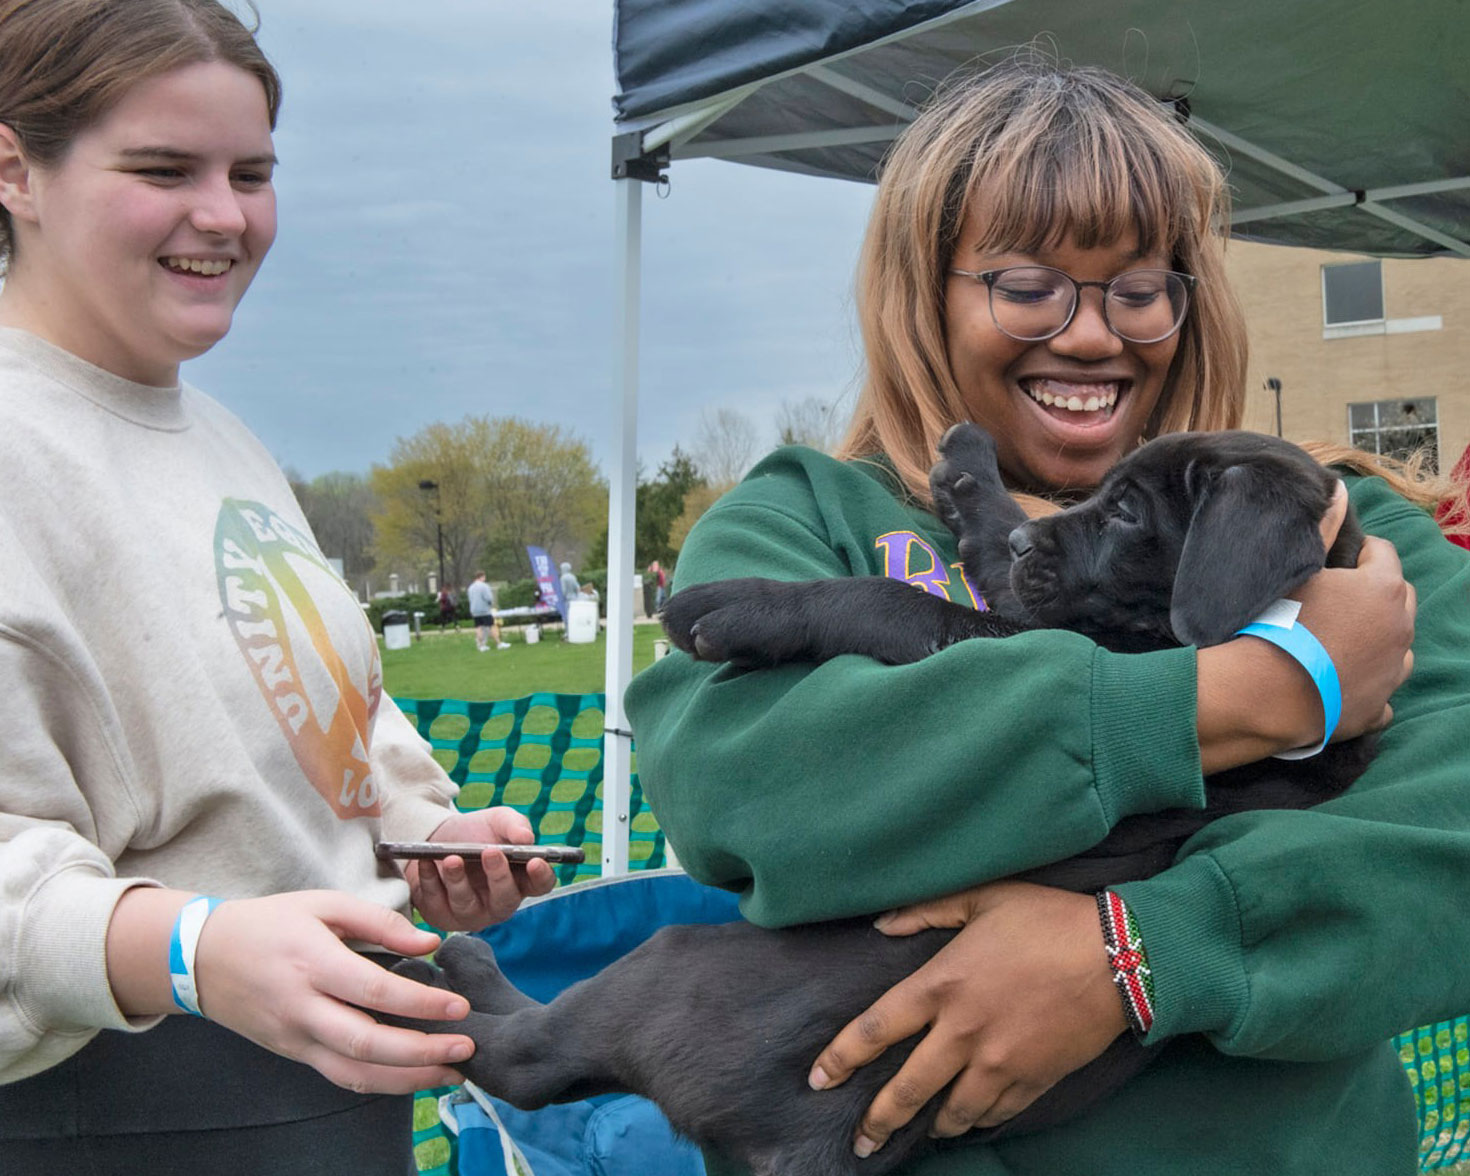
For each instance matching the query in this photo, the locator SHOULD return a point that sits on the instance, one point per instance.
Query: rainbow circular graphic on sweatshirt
(271, 577)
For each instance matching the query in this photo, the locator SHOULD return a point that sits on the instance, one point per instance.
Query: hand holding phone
(471, 850)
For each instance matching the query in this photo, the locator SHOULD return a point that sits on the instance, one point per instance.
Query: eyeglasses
(1035, 302)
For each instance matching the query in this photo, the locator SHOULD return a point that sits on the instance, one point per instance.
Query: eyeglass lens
(1143, 306)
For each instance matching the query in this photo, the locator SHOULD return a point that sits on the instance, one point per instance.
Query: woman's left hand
(1020, 998)
(454, 894)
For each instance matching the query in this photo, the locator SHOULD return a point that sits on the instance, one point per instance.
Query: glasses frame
(988, 278)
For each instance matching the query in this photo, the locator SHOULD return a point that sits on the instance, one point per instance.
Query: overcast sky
(446, 245)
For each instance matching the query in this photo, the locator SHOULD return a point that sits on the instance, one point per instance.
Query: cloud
(447, 241)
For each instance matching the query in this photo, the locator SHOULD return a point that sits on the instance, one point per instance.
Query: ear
(1253, 538)
(15, 176)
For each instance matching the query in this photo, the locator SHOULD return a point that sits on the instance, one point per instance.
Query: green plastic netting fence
(542, 754)
(1437, 1058)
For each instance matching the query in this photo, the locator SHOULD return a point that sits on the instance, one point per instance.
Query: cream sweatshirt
(192, 698)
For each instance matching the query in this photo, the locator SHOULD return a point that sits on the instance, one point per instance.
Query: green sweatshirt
(1286, 947)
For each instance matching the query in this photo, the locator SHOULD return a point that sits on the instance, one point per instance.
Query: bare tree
(340, 508)
(810, 422)
(726, 446)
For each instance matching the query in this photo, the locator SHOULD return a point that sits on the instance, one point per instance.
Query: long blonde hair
(1052, 153)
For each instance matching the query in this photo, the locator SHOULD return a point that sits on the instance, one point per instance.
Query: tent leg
(617, 742)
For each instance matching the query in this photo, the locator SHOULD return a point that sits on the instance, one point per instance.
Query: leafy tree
(657, 503)
(542, 488)
(698, 501)
(500, 483)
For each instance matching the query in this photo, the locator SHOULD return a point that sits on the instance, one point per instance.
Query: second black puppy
(1185, 541)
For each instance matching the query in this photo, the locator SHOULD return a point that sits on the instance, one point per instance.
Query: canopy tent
(1340, 124)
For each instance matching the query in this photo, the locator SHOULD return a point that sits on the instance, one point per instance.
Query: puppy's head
(1186, 540)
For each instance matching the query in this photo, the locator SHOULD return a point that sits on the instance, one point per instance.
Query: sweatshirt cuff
(413, 818)
(1149, 760)
(1189, 917)
(63, 976)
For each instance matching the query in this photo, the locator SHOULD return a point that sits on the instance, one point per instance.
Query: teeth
(196, 265)
(1073, 401)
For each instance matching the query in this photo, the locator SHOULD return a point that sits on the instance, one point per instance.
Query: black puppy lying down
(1185, 541)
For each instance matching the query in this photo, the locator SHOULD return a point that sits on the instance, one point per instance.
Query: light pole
(1274, 385)
(427, 485)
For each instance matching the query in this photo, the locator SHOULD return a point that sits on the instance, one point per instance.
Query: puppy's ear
(1253, 538)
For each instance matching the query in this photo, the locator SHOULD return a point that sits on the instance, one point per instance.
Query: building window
(1396, 428)
(1352, 293)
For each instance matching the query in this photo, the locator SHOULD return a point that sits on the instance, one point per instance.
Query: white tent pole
(617, 741)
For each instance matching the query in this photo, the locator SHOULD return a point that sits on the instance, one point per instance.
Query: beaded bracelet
(1128, 961)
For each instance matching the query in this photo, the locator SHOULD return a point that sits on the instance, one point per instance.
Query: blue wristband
(1297, 640)
(181, 949)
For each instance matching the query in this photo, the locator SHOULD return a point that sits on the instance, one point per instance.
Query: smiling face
(133, 251)
(1064, 410)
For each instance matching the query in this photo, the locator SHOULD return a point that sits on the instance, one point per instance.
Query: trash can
(395, 630)
(582, 621)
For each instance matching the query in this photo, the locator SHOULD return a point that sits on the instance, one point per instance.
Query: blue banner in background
(548, 587)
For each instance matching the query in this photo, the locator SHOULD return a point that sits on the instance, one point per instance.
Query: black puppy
(1185, 541)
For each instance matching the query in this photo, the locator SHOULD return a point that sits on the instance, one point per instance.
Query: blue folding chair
(551, 943)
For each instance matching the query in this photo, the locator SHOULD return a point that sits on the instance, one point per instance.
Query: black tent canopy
(1341, 125)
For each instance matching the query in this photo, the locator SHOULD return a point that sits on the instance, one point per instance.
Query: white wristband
(181, 949)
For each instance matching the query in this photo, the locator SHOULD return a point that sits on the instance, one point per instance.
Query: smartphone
(471, 850)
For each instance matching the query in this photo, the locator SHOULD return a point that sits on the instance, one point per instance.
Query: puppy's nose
(1020, 542)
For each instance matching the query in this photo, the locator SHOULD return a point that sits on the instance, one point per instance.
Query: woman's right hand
(1254, 700)
(276, 970)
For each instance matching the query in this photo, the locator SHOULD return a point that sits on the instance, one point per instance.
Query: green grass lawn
(447, 665)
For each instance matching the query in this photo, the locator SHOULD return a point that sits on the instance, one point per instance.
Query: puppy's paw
(421, 972)
(745, 621)
(968, 449)
(471, 970)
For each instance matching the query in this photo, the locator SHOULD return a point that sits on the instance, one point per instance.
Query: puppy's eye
(1124, 512)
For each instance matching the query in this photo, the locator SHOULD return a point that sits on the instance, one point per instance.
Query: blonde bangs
(1044, 183)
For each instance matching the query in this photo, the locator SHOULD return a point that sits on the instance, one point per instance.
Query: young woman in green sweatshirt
(1282, 949)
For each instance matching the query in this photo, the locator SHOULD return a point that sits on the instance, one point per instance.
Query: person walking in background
(660, 580)
(152, 764)
(482, 612)
(446, 607)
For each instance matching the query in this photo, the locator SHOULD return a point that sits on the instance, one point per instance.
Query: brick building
(1368, 352)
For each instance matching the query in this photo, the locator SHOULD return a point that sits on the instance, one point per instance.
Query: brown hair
(65, 63)
(1051, 153)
